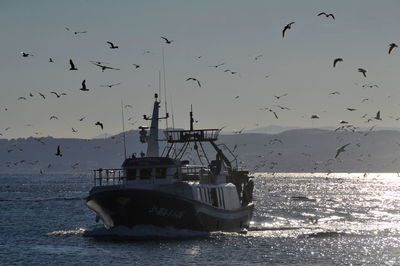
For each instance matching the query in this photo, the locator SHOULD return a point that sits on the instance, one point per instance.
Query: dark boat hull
(131, 207)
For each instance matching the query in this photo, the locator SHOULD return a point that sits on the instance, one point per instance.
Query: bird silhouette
(53, 117)
(98, 123)
(336, 61)
(273, 112)
(363, 71)
(26, 54)
(72, 65)
(112, 46)
(392, 46)
(58, 95)
(81, 119)
(84, 86)
(334, 93)
(351, 109)
(287, 27)
(42, 95)
(314, 117)
(103, 67)
(341, 149)
(194, 79)
(74, 130)
(51, 60)
(378, 116)
(238, 131)
(21, 98)
(166, 40)
(58, 153)
(278, 97)
(326, 15)
(217, 66)
(80, 32)
(136, 65)
(110, 85)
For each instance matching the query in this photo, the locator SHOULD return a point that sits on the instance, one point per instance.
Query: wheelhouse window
(161, 173)
(145, 173)
(131, 174)
(174, 173)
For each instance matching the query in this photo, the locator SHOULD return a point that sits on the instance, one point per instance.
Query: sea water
(299, 219)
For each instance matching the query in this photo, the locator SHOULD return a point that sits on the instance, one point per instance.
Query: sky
(204, 33)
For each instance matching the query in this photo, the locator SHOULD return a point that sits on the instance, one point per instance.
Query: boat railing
(108, 177)
(191, 172)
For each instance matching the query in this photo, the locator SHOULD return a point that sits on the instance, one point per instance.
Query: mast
(152, 143)
(191, 117)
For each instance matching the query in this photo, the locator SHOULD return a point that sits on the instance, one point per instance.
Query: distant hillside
(294, 150)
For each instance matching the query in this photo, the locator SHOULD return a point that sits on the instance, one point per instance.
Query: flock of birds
(344, 125)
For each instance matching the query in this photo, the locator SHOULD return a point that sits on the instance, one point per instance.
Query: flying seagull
(218, 65)
(98, 123)
(26, 54)
(103, 67)
(314, 117)
(72, 65)
(334, 93)
(272, 111)
(110, 85)
(194, 79)
(53, 117)
(74, 130)
(166, 40)
(238, 131)
(84, 86)
(378, 116)
(58, 95)
(336, 61)
(363, 71)
(21, 98)
(41, 94)
(51, 60)
(341, 149)
(112, 46)
(326, 15)
(80, 32)
(58, 153)
(81, 119)
(287, 27)
(278, 97)
(392, 46)
(136, 65)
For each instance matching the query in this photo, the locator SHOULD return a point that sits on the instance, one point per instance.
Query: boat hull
(131, 207)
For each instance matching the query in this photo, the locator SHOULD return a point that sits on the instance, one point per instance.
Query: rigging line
(173, 122)
(198, 154)
(205, 154)
(165, 88)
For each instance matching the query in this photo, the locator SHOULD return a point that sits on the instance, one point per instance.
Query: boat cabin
(150, 170)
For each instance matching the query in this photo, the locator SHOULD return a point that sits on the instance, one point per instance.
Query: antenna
(191, 117)
(165, 90)
(159, 83)
(123, 127)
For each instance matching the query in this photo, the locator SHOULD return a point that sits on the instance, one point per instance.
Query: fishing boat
(168, 190)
